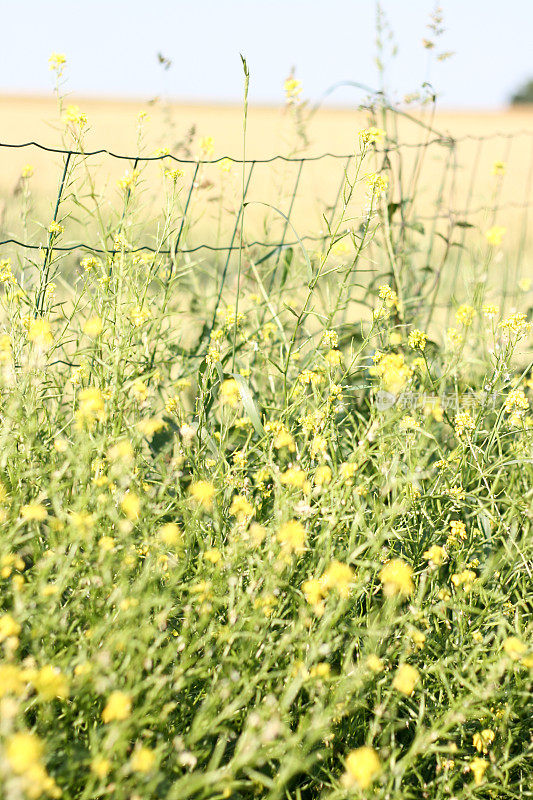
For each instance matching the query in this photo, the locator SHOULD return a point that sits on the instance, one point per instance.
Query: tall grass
(273, 547)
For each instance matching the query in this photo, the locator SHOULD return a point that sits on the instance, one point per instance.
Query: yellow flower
(142, 759)
(12, 680)
(516, 323)
(129, 179)
(463, 422)
(294, 476)
(377, 184)
(138, 316)
(323, 475)
(490, 310)
(106, 544)
(118, 707)
(93, 327)
(388, 295)
(337, 576)
(57, 62)
(293, 89)
(229, 392)
(207, 145)
(131, 506)
(213, 555)
(91, 408)
(23, 751)
(417, 339)
(498, 168)
(478, 767)
(170, 534)
(100, 766)
(8, 627)
(495, 235)
(257, 534)
(483, 740)
(40, 332)
(393, 371)
(148, 427)
(33, 511)
(55, 228)
(436, 554)
(397, 578)
(347, 471)
(292, 536)
(464, 579)
(375, 663)
(457, 529)
(514, 647)
(203, 493)
(240, 507)
(406, 679)
(312, 590)
(51, 683)
(465, 315)
(27, 171)
(121, 452)
(362, 768)
(74, 116)
(320, 670)
(372, 135)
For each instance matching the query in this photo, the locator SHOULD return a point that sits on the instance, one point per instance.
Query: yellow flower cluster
(337, 576)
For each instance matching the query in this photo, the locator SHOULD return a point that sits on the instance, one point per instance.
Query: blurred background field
(442, 167)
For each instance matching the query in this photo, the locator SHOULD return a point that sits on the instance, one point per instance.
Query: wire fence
(452, 178)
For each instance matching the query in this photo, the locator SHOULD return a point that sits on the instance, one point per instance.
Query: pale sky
(112, 47)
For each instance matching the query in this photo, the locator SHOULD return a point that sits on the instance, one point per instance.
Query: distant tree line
(524, 94)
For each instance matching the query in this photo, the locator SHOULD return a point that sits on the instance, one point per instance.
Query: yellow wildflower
(406, 679)
(33, 512)
(478, 767)
(362, 768)
(170, 534)
(142, 759)
(229, 392)
(40, 332)
(100, 766)
(514, 648)
(494, 235)
(23, 751)
(93, 327)
(323, 475)
(203, 493)
(417, 339)
(294, 476)
(292, 536)
(57, 62)
(8, 627)
(465, 315)
(240, 507)
(397, 578)
(483, 740)
(131, 506)
(118, 707)
(436, 554)
(51, 683)
(371, 135)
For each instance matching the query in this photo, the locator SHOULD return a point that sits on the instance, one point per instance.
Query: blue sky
(112, 47)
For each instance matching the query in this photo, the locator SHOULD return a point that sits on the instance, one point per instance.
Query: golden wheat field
(272, 131)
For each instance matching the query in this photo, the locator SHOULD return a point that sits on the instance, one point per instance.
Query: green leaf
(249, 404)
